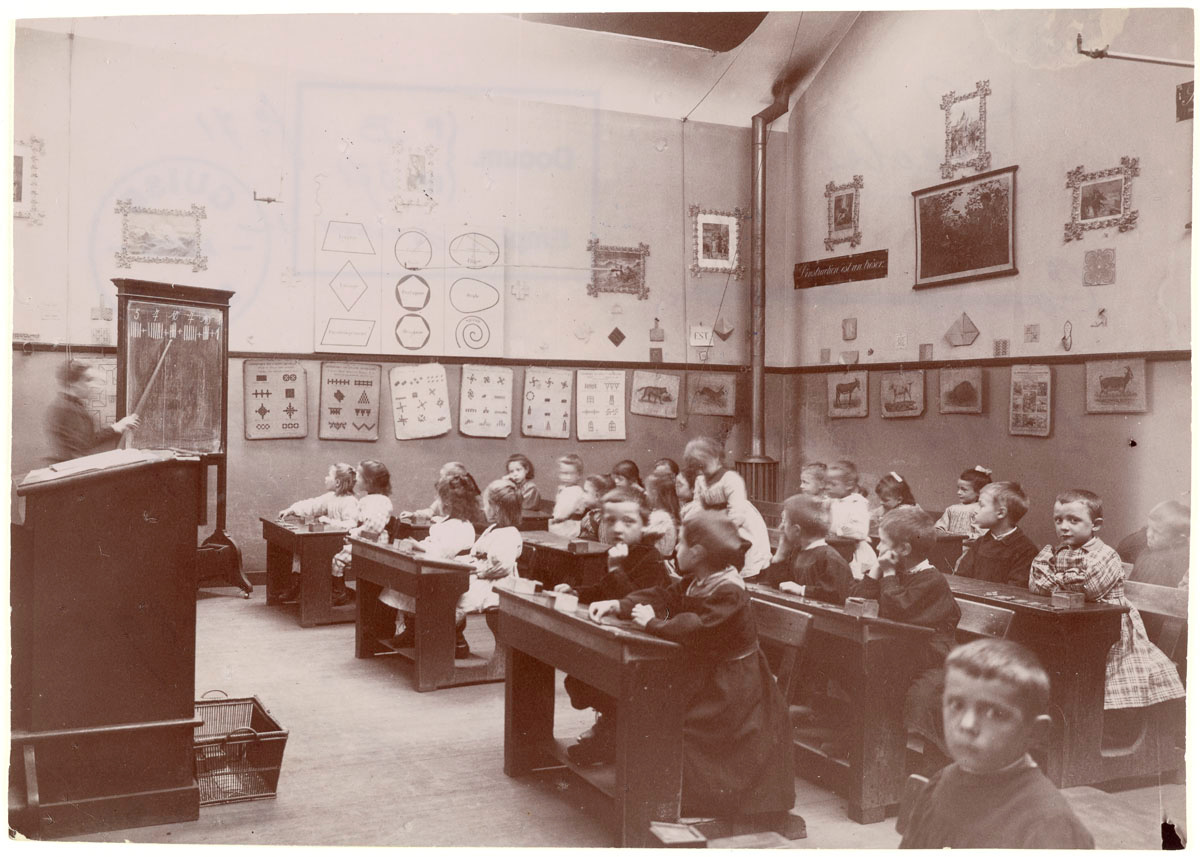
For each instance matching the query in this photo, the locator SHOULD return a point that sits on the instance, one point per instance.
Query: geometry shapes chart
(347, 332)
(474, 250)
(485, 401)
(469, 295)
(348, 285)
(347, 237)
(472, 332)
(413, 249)
(349, 401)
(412, 292)
(600, 404)
(412, 332)
(275, 399)
(546, 405)
(655, 395)
(420, 400)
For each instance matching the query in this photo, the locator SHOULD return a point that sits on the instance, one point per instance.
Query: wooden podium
(103, 592)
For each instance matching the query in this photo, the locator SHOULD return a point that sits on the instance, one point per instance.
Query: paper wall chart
(420, 400)
(546, 405)
(655, 394)
(346, 281)
(349, 401)
(485, 401)
(600, 404)
(275, 399)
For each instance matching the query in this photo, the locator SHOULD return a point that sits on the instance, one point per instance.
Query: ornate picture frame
(966, 135)
(842, 204)
(416, 177)
(966, 229)
(619, 270)
(26, 155)
(1102, 199)
(716, 241)
(160, 235)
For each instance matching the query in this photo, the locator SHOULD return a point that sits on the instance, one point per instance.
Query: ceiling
(508, 55)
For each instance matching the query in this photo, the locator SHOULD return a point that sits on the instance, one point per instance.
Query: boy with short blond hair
(993, 795)
(1003, 553)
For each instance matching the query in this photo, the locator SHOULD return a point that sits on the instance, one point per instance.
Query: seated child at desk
(717, 487)
(625, 473)
(893, 492)
(337, 505)
(374, 483)
(959, 518)
(909, 589)
(568, 505)
(632, 565)
(804, 563)
(520, 473)
(993, 795)
(664, 512)
(493, 556)
(849, 516)
(1165, 560)
(591, 525)
(452, 535)
(435, 510)
(737, 755)
(1003, 553)
(812, 479)
(1138, 673)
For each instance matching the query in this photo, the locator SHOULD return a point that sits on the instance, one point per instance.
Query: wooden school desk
(534, 519)
(640, 671)
(875, 660)
(545, 557)
(1072, 645)
(436, 585)
(316, 548)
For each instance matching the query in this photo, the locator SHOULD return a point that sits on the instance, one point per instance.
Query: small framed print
(960, 391)
(1102, 199)
(966, 130)
(716, 241)
(416, 177)
(1116, 386)
(1029, 400)
(160, 235)
(842, 212)
(902, 394)
(847, 393)
(621, 270)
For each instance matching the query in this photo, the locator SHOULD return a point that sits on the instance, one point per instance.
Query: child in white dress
(337, 505)
(719, 488)
(493, 556)
(849, 513)
(959, 518)
(374, 512)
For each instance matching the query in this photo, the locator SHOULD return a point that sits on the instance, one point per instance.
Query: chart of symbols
(386, 287)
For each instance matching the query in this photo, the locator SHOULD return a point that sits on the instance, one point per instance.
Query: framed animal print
(1102, 199)
(902, 394)
(1116, 386)
(847, 392)
(960, 391)
(655, 394)
(716, 240)
(712, 393)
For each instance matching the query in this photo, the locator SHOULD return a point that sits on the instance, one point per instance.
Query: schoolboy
(632, 565)
(993, 795)
(1003, 553)
(804, 563)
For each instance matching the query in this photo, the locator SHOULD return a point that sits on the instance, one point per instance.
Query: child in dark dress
(804, 564)
(1003, 553)
(1165, 560)
(737, 755)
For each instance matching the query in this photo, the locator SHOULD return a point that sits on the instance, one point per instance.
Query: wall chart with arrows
(349, 401)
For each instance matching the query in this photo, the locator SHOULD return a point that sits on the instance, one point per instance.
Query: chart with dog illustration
(546, 403)
(655, 394)
(349, 401)
(600, 404)
(420, 400)
(275, 399)
(485, 401)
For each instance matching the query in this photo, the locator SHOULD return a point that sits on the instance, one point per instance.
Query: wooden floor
(369, 761)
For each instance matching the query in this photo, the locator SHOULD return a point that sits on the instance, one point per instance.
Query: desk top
(415, 561)
(299, 527)
(1021, 600)
(553, 541)
(539, 609)
(832, 611)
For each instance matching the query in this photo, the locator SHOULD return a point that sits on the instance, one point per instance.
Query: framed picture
(966, 130)
(1029, 400)
(716, 241)
(841, 202)
(1116, 386)
(169, 235)
(902, 394)
(847, 393)
(416, 177)
(960, 391)
(618, 269)
(1102, 199)
(966, 229)
(712, 393)
(26, 154)
(655, 394)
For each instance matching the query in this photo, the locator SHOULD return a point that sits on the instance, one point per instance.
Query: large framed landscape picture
(966, 229)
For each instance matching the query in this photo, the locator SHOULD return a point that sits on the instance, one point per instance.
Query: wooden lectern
(103, 592)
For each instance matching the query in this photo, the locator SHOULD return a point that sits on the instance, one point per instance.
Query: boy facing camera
(993, 795)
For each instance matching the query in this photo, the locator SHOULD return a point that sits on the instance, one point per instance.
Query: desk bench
(546, 557)
(316, 549)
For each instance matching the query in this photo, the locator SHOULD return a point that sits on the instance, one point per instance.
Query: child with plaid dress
(1139, 674)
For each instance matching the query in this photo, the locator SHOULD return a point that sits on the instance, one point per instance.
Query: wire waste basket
(239, 750)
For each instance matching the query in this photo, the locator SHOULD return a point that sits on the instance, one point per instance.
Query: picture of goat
(1115, 386)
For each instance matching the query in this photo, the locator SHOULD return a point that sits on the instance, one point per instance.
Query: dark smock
(1004, 560)
(737, 741)
(821, 570)
(72, 431)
